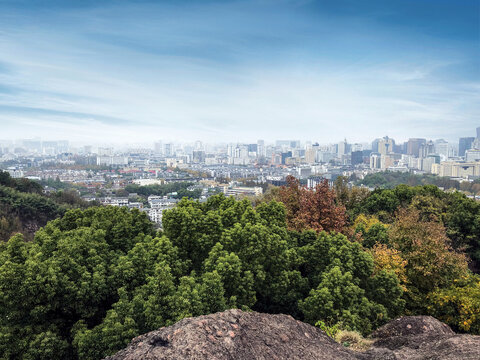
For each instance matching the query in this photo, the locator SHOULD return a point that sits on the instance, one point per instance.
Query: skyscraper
(168, 150)
(385, 145)
(357, 157)
(158, 147)
(342, 148)
(261, 149)
(442, 147)
(464, 144)
(198, 156)
(427, 149)
(414, 145)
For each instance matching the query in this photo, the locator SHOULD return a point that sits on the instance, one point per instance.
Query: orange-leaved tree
(431, 262)
(315, 209)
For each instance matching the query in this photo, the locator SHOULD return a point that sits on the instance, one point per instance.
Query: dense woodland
(93, 279)
(24, 208)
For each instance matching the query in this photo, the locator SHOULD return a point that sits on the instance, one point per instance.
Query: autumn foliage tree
(388, 259)
(315, 209)
(459, 304)
(431, 262)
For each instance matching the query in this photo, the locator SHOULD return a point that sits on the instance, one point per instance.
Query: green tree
(344, 287)
(64, 276)
(339, 298)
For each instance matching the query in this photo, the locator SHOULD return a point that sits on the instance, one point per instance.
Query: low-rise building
(242, 191)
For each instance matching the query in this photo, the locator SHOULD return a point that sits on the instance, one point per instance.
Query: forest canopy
(93, 279)
(24, 208)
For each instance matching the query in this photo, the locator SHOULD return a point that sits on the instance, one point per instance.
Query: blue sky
(136, 71)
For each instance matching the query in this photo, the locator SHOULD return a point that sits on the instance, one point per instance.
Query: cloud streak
(237, 71)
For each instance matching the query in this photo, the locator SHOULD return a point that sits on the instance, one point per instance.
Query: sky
(236, 71)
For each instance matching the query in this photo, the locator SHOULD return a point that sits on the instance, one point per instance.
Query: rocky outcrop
(422, 337)
(239, 335)
(412, 325)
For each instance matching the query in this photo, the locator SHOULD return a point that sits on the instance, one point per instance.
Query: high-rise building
(198, 156)
(385, 145)
(230, 148)
(375, 160)
(427, 149)
(261, 150)
(442, 148)
(428, 161)
(414, 145)
(287, 144)
(252, 148)
(399, 148)
(158, 147)
(357, 157)
(464, 144)
(311, 155)
(476, 142)
(356, 147)
(102, 151)
(472, 155)
(342, 148)
(168, 150)
(286, 155)
(241, 151)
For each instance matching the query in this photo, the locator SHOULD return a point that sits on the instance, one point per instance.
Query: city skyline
(238, 71)
(365, 143)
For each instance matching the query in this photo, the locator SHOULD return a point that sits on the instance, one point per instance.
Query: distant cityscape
(240, 169)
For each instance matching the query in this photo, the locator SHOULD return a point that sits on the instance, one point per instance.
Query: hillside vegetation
(24, 208)
(92, 280)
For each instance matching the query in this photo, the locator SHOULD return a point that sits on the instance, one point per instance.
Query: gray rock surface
(239, 335)
(412, 325)
(422, 337)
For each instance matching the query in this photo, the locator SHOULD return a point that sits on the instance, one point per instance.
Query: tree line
(390, 179)
(95, 278)
(181, 188)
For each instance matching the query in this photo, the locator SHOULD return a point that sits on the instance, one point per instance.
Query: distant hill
(24, 208)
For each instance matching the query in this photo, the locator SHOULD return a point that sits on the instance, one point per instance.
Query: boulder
(422, 337)
(412, 325)
(239, 335)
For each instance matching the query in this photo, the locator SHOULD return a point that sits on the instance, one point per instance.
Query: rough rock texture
(412, 325)
(422, 337)
(234, 334)
(238, 335)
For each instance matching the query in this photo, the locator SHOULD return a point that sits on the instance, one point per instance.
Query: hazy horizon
(138, 71)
